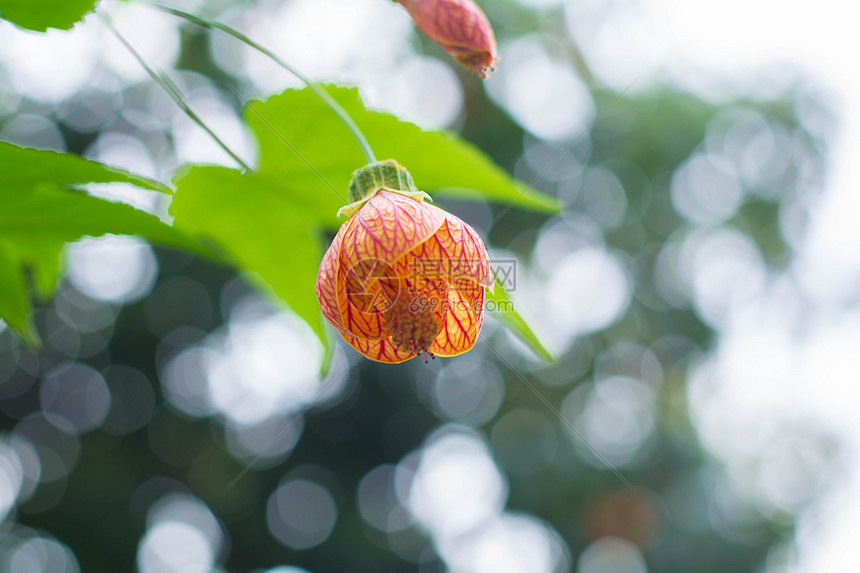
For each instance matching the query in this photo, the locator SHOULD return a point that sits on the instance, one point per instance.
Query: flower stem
(173, 91)
(316, 88)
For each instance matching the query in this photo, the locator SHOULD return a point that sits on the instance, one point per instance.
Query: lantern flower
(460, 27)
(402, 278)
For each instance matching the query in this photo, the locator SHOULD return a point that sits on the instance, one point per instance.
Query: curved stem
(173, 91)
(316, 88)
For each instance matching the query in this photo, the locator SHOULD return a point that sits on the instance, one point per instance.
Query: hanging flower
(460, 27)
(402, 278)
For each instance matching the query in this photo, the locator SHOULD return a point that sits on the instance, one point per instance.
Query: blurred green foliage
(42, 213)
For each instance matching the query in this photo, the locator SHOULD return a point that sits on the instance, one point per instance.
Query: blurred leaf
(25, 166)
(39, 217)
(39, 15)
(270, 222)
(505, 313)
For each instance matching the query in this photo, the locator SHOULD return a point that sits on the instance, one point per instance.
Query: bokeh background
(700, 290)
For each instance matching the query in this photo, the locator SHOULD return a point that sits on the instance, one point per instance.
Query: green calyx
(385, 175)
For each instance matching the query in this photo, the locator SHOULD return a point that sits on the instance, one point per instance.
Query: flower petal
(362, 301)
(327, 279)
(455, 252)
(378, 350)
(388, 226)
(462, 322)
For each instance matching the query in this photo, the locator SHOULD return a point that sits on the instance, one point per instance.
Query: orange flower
(402, 277)
(460, 27)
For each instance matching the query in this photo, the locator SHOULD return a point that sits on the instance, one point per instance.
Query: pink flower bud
(460, 27)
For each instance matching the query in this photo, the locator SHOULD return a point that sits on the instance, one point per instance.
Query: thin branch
(173, 91)
(316, 88)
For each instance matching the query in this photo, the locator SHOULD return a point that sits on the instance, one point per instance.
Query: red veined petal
(455, 252)
(388, 226)
(362, 301)
(470, 250)
(327, 279)
(462, 322)
(471, 291)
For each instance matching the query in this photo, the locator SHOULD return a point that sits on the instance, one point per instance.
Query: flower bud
(460, 27)
(403, 278)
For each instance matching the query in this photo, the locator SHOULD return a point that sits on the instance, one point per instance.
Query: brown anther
(412, 321)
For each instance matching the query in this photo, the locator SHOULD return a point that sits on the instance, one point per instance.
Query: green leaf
(39, 15)
(37, 222)
(296, 131)
(14, 305)
(42, 212)
(500, 305)
(21, 166)
(271, 222)
(254, 219)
